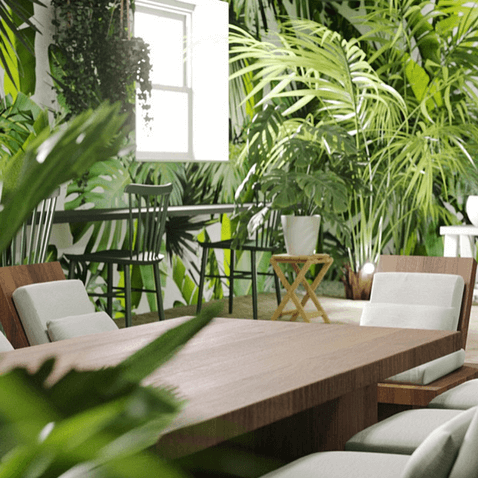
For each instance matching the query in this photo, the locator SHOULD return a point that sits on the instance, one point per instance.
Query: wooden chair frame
(16, 276)
(395, 396)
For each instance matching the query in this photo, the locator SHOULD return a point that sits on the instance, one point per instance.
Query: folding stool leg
(231, 281)
(202, 276)
(254, 284)
(127, 296)
(159, 297)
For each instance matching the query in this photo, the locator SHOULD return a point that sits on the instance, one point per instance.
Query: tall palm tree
(17, 33)
(405, 91)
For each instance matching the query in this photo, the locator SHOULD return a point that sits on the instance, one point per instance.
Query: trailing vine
(94, 58)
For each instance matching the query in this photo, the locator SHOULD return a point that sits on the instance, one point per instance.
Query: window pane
(158, 31)
(168, 131)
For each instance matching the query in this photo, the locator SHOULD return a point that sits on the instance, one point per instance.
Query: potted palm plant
(301, 172)
(304, 184)
(395, 94)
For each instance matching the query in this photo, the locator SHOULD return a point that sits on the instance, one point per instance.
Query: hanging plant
(94, 57)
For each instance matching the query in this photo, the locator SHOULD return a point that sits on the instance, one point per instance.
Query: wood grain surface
(241, 375)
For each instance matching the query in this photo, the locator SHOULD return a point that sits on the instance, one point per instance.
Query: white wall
(44, 94)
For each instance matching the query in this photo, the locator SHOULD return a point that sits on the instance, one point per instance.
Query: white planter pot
(472, 209)
(300, 234)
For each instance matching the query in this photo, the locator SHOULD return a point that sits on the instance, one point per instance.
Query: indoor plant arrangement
(395, 90)
(300, 172)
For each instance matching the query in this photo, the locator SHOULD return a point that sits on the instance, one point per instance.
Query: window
(189, 101)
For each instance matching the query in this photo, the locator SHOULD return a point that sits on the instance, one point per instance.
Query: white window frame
(204, 144)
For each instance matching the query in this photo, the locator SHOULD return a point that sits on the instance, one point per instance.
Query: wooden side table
(308, 261)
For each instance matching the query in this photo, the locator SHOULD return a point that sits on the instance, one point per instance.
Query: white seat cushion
(340, 464)
(78, 325)
(39, 303)
(431, 371)
(401, 433)
(461, 397)
(448, 451)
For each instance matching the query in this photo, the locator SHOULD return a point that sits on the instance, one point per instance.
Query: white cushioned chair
(401, 433)
(421, 301)
(461, 397)
(449, 451)
(5, 345)
(58, 310)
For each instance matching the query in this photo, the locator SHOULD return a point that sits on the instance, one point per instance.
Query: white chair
(461, 397)
(449, 451)
(421, 301)
(5, 345)
(58, 310)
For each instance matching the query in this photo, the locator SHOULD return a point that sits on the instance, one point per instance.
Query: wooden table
(307, 262)
(295, 387)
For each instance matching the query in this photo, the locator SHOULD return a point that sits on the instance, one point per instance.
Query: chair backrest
(267, 220)
(461, 266)
(146, 232)
(16, 276)
(38, 304)
(34, 235)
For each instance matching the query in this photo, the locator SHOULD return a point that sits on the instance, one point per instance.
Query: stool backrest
(146, 232)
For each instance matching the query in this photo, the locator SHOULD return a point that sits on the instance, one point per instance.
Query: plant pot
(300, 234)
(472, 209)
(358, 285)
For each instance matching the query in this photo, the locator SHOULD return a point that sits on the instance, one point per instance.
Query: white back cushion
(417, 300)
(420, 288)
(409, 316)
(414, 300)
(436, 455)
(5, 345)
(78, 325)
(37, 304)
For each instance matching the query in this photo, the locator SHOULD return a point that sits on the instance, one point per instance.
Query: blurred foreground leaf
(92, 423)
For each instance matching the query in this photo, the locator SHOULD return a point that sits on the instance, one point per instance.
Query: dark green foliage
(94, 59)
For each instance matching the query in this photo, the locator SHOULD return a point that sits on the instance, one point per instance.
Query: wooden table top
(239, 375)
